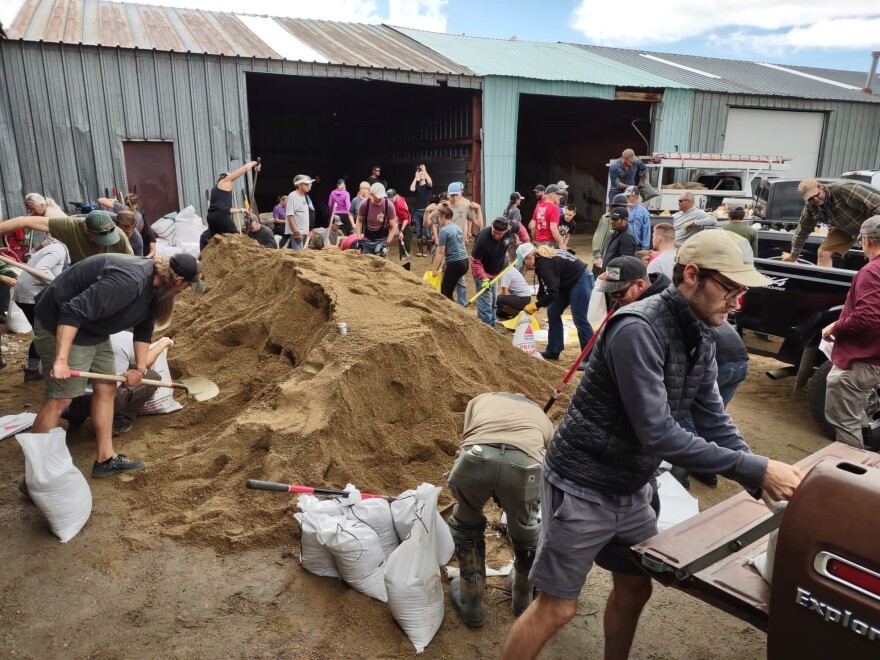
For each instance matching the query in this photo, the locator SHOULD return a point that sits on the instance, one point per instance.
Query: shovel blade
(200, 389)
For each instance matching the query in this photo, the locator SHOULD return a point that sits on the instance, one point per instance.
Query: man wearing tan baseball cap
(843, 206)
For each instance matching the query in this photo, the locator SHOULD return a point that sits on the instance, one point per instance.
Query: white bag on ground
(55, 485)
(597, 310)
(524, 336)
(317, 514)
(163, 400)
(376, 514)
(16, 321)
(404, 511)
(412, 575)
(358, 554)
(764, 562)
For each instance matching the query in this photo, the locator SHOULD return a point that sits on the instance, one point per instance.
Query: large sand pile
(381, 407)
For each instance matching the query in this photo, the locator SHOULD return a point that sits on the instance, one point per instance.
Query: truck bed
(730, 584)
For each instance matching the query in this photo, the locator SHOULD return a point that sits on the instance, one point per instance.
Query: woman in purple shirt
(279, 217)
(342, 199)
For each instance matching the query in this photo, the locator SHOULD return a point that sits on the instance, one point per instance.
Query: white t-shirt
(51, 260)
(516, 284)
(663, 263)
(298, 207)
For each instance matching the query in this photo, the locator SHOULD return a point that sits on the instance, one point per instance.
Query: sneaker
(711, 480)
(32, 374)
(547, 355)
(116, 465)
(122, 426)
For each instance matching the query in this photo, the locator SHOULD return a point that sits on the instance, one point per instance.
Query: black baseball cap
(500, 224)
(538, 188)
(619, 212)
(188, 267)
(620, 200)
(621, 273)
(515, 196)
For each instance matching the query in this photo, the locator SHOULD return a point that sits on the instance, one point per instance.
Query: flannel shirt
(848, 204)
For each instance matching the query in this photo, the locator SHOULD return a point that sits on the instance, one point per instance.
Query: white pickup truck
(712, 178)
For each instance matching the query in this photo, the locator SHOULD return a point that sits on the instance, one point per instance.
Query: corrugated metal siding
(672, 120)
(852, 130)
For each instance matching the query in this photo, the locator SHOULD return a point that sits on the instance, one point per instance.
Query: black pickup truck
(784, 321)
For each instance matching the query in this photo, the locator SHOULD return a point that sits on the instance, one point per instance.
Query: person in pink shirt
(545, 229)
(342, 200)
(404, 228)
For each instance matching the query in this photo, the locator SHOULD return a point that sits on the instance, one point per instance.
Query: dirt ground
(130, 585)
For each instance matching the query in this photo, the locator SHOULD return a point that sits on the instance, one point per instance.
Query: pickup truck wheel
(816, 401)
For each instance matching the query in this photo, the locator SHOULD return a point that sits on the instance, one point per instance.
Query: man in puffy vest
(652, 364)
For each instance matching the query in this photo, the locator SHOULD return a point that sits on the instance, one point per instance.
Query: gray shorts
(576, 532)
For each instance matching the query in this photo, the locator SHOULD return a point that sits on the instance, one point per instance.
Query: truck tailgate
(730, 583)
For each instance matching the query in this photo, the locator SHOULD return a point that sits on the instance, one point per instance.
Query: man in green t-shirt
(736, 213)
(95, 234)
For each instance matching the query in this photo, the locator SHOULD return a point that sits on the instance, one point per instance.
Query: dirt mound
(381, 406)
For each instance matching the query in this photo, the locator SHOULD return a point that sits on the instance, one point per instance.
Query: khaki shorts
(98, 359)
(837, 241)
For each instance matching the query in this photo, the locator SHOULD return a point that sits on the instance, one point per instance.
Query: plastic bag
(765, 561)
(597, 310)
(524, 335)
(376, 514)
(317, 514)
(412, 575)
(404, 511)
(55, 485)
(433, 281)
(358, 554)
(16, 321)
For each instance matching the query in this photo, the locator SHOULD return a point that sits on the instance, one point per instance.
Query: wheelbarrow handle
(121, 379)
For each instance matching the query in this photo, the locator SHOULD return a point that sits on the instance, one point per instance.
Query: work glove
(531, 308)
(485, 284)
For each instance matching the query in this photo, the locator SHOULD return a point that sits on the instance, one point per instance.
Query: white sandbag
(178, 232)
(412, 577)
(376, 514)
(55, 485)
(676, 504)
(16, 321)
(404, 511)
(163, 400)
(12, 424)
(358, 554)
(765, 561)
(598, 307)
(524, 336)
(313, 556)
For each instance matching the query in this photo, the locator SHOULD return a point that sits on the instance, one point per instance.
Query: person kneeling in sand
(327, 238)
(76, 315)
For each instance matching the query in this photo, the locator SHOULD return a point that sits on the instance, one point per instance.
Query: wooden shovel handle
(46, 279)
(121, 379)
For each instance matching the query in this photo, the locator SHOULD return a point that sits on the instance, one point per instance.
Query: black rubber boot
(521, 590)
(466, 591)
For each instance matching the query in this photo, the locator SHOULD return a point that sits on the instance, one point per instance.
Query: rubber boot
(466, 591)
(522, 591)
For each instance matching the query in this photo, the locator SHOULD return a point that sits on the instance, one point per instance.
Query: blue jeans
(578, 297)
(730, 375)
(486, 302)
(461, 292)
(378, 248)
(296, 244)
(418, 222)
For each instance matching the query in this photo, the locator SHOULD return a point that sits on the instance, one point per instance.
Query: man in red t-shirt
(545, 228)
(404, 226)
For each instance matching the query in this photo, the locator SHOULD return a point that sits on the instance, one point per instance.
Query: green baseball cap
(102, 228)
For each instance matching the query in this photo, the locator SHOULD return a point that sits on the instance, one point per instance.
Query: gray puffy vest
(595, 446)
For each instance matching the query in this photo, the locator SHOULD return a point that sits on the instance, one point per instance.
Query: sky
(803, 32)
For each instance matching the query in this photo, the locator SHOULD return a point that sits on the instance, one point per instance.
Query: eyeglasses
(618, 295)
(730, 292)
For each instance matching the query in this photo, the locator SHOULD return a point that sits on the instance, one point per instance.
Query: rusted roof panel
(129, 25)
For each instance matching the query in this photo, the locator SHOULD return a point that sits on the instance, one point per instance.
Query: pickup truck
(824, 597)
(784, 321)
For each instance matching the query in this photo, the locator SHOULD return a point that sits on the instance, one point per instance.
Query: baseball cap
(524, 250)
(336, 220)
(391, 192)
(551, 189)
(538, 188)
(620, 200)
(515, 196)
(871, 228)
(619, 212)
(340, 182)
(808, 188)
(454, 188)
(500, 224)
(628, 153)
(562, 185)
(302, 178)
(736, 206)
(102, 228)
(378, 190)
(729, 254)
(622, 272)
(630, 191)
(188, 267)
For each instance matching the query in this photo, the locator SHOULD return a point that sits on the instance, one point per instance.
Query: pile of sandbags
(178, 232)
(359, 541)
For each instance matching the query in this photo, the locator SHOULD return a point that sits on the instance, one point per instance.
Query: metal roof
(534, 59)
(104, 23)
(712, 74)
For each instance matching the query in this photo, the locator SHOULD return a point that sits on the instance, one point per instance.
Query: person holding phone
(421, 185)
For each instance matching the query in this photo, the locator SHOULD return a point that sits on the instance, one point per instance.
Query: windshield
(858, 177)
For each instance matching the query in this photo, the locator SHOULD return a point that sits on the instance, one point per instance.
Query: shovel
(255, 484)
(42, 277)
(200, 389)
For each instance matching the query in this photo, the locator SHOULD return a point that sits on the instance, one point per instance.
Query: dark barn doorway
(151, 174)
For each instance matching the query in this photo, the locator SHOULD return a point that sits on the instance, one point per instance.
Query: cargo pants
(845, 395)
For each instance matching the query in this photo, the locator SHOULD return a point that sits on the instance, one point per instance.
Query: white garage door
(777, 133)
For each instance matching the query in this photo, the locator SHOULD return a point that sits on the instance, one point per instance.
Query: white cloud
(418, 14)
(799, 24)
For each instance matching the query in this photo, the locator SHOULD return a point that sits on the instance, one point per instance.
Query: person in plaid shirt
(843, 206)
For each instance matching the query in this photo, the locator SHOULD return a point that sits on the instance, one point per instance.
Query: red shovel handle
(255, 484)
